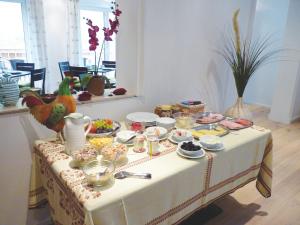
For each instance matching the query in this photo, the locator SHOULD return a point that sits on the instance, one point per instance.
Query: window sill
(5, 110)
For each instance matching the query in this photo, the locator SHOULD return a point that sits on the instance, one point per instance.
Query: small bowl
(159, 132)
(166, 122)
(210, 141)
(115, 152)
(190, 153)
(83, 157)
(100, 142)
(184, 120)
(99, 173)
(185, 135)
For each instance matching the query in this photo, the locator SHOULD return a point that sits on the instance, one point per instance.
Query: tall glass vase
(239, 110)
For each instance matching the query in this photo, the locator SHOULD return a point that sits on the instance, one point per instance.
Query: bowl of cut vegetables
(103, 127)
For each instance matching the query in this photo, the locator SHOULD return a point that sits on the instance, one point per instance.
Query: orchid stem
(102, 46)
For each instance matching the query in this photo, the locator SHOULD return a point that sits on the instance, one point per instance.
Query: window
(99, 15)
(12, 44)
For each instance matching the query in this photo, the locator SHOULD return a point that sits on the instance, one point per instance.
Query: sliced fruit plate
(208, 117)
(103, 127)
(236, 123)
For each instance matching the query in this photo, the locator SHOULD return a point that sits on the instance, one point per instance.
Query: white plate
(142, 117)
(124, 135)
(201, 154)
(170, 138)
(221, 148)
(128, 143)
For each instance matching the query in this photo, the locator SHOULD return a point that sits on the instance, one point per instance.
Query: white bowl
(189, 153)
(124, 135)
(186, 135)
(166, 122)
(156, 131)
(210, 141)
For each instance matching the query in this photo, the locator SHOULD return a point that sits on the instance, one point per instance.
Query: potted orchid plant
(96, 84)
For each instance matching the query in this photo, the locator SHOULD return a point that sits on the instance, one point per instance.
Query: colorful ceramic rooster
(52, 114)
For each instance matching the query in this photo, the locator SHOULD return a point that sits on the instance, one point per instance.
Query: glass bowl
(82, 157)
(184, 120)
(99, 173)
(117, 153)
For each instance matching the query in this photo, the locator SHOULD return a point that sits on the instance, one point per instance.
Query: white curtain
(73, 32)
(36, 48)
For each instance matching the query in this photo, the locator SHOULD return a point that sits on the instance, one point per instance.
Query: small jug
(74, 131)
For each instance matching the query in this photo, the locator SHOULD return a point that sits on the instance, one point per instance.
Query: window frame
(88, 6)
(24, 21)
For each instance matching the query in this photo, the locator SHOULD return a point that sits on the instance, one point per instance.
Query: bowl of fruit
(103, 127)
(190, 148)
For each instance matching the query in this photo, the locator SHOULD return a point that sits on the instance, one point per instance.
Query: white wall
(270, 19)
(286, 105)
(176, 61)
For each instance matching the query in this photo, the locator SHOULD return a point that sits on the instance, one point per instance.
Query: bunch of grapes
(103, 125)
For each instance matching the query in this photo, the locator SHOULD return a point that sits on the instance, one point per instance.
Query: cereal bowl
(99, 173)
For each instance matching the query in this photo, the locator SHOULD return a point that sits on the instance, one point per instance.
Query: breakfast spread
(211, 127)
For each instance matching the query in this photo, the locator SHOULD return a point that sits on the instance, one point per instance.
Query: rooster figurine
(52, 114)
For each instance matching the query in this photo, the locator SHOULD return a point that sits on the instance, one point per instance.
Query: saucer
(217, 149)
(170, 138)
(200, 155)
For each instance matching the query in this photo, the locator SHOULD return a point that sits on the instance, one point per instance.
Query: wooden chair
(14, 62)
(77, 70)
(38, 75)
(63, 67)
(109, 64)
(25, 66)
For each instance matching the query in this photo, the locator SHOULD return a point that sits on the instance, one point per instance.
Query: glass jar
(139, 144)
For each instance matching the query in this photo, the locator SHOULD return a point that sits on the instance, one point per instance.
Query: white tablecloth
(178, 186)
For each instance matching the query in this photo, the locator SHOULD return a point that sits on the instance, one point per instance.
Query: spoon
(129, 139)
(125, 174)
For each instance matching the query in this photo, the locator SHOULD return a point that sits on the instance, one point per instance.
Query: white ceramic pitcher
(74, 131)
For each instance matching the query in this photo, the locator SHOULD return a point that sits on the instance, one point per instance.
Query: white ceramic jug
(74, 131)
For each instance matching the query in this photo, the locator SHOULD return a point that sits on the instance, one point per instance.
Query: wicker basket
(192, 108)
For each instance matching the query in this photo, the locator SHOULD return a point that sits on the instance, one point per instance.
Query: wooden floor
(246, 205)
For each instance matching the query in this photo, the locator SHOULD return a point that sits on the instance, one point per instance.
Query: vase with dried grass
(244, 58)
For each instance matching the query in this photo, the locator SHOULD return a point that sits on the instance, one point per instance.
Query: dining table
(179, 186)
(16, 73)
